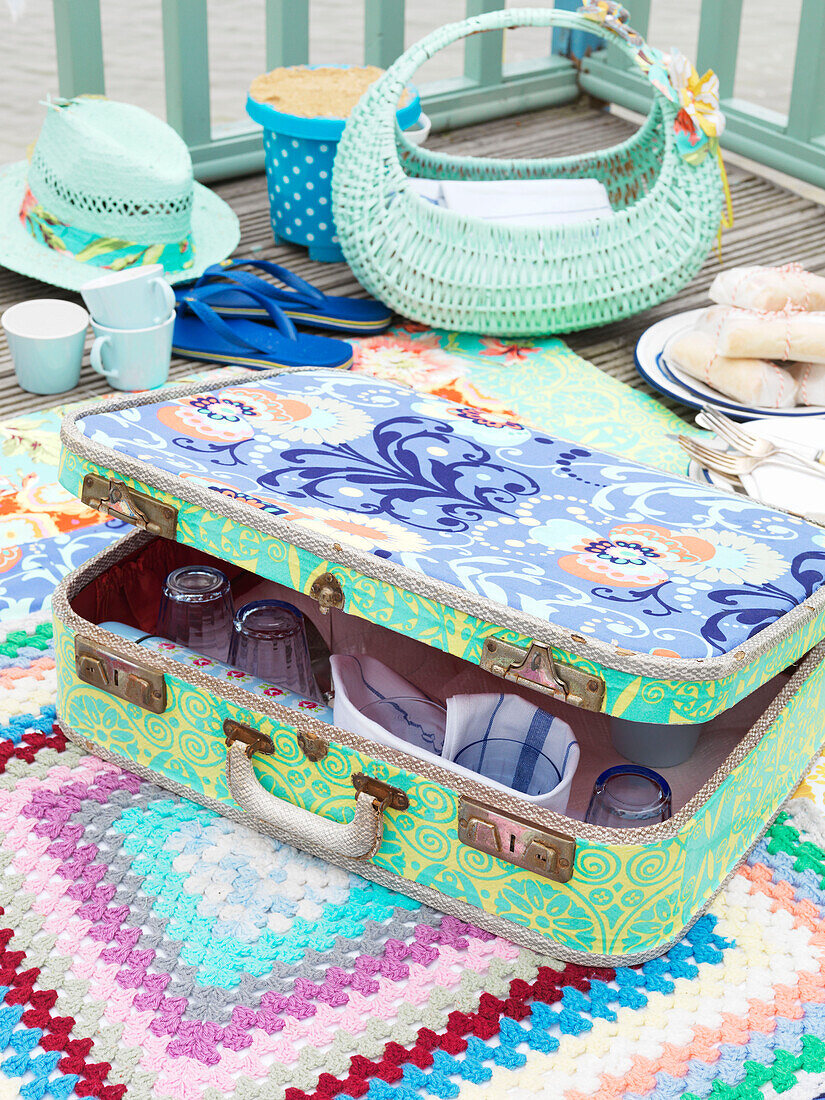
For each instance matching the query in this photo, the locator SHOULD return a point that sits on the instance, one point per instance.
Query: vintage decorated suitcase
(456, 548)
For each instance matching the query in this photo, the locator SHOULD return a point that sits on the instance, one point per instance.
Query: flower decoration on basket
(699, 121)
(614, 17)
(605, 11)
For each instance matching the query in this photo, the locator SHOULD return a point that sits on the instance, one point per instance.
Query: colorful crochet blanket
(150, 948)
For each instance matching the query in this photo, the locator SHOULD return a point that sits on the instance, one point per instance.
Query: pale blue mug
(133, 359)
(136, 298)
(46, 338)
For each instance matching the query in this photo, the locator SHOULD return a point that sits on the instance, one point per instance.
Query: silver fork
(723, 462)
(733, 465)
(742, 440)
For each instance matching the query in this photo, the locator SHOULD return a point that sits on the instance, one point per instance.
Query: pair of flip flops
(232, 316)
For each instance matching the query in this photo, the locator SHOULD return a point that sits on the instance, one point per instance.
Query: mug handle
(167, 295)
(422, 131)
(96, 357)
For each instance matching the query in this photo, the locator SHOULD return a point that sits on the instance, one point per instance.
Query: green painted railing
(488, 89)
(795, 143)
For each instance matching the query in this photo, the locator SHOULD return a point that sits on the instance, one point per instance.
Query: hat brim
(215, 234)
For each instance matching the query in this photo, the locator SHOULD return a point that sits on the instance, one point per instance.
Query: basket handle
(387, 90)
(356, 839)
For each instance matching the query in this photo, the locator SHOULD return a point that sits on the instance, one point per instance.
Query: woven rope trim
(651, 834)
(691, 670)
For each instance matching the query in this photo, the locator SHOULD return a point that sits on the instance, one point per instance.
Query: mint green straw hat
(107, 187)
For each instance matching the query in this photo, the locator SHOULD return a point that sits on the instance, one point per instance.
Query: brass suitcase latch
(115, 499)
(385, 793)
(536, 668)
(127, 680)
(254, 740)
(327, 590)
(542, 851)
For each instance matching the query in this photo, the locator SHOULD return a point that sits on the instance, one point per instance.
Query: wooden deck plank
(772, 226)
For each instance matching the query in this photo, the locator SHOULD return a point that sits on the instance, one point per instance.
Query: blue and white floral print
(576, 537)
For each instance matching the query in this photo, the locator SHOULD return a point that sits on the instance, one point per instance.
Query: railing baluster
(186, 61)
(483, 92)
(79, 47)
(719, 41)
(483, 52)
(383, 31)
(806, 117)
(639, 15)
(287, 32)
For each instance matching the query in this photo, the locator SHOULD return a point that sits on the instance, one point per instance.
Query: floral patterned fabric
(110, 253)
(45, 531)
(571, 535)
(538, 382)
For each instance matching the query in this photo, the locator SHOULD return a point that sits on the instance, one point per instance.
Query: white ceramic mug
(133, 359)
(46, 338)
(132, 299)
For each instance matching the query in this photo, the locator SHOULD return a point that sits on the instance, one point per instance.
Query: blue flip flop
(301, 302)
(201, 334)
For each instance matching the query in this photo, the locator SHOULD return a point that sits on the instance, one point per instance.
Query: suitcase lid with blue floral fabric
(611, 562)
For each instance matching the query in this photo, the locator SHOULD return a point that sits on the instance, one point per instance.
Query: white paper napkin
(520, 202)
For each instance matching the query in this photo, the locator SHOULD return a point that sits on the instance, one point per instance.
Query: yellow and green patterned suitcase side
(624, 902)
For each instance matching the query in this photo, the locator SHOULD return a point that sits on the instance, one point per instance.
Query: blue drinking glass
(629, 797)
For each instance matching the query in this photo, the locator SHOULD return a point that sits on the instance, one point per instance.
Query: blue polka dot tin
(472, 554)
(299, 154)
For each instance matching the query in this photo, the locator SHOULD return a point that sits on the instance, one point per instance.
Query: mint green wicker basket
(456, 272)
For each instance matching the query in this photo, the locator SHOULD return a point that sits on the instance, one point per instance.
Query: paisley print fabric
(574, 536)
(538, 382)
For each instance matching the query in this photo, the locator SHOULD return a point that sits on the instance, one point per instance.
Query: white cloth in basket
(520, 202)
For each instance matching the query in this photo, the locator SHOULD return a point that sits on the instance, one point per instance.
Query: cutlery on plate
(742, 440)
(734, 465)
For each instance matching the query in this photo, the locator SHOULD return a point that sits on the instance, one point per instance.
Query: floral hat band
(110, 252)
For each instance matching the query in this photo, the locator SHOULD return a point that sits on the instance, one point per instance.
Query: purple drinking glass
(196, 610)
(269, 641)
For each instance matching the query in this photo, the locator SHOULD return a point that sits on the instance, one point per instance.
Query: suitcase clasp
(115, 499)
(542, 851)
(538, 669)
(327, 590)
(387, 795)
(127, 680)
(254, 740)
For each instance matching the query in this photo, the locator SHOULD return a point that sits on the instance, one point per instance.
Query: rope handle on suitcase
(356, 839)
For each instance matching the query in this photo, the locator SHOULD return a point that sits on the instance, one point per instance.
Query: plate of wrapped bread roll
(758, 351)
